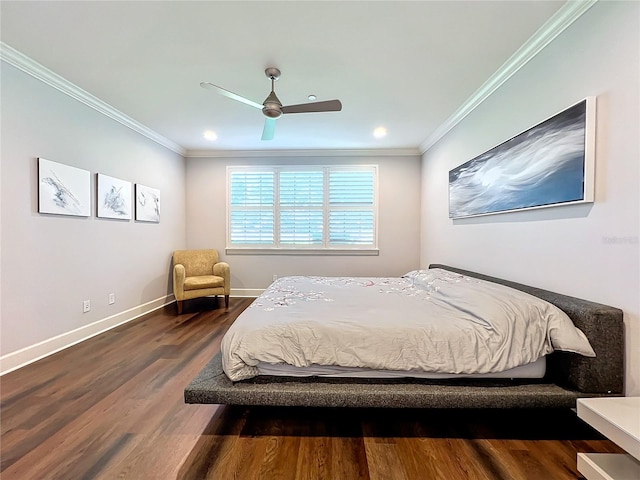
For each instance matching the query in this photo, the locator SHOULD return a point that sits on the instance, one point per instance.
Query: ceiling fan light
(272, 110)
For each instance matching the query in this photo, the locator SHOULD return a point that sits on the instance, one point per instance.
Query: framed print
(114, 198)
(147, 204)
(549, 164)
(63, 190)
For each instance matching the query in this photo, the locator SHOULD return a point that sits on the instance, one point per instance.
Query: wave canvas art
(549, 164)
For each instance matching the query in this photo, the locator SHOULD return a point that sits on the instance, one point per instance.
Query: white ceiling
(405, 65)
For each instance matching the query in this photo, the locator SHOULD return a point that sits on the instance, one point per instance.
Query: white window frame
(325, 248)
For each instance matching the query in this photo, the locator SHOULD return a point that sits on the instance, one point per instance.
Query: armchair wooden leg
(226, 301)
(179, 307)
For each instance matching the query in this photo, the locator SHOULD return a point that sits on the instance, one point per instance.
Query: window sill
(303, 251)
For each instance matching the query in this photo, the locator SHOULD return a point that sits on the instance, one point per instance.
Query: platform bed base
(213, 386)
(569, 376)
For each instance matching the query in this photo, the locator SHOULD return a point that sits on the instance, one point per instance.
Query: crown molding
(19, 60)
(385, 152)
(557, 24)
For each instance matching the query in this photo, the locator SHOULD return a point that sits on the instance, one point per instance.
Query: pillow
(413, 273)
(561, 331)
(421, 278)
(429, 279)
(565, 336)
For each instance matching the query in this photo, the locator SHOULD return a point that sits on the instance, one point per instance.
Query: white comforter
(430, 320)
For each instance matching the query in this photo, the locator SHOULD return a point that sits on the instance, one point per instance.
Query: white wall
(398, 229)
(588, 251)
(51, 263)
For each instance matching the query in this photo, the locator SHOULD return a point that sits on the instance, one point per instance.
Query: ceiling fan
(272, 108)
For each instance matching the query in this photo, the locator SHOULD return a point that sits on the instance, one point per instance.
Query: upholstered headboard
(603, 326)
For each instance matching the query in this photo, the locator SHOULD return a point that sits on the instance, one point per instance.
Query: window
(302, 208)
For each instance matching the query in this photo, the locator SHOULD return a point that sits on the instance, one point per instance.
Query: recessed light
(210, 135)
(380, 132)
(312, 97)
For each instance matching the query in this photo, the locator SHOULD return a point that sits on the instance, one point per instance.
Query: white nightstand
(618, 418)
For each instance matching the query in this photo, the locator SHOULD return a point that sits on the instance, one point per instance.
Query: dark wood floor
(112, 407)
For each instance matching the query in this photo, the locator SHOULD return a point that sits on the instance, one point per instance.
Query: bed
(566, 375)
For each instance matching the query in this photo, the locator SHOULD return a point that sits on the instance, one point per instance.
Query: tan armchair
(199, 273)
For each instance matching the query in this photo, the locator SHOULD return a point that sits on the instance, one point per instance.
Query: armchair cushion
(203, 281)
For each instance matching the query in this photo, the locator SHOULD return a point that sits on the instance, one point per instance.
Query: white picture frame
(147, 204)
(63, 190)
(114, 198)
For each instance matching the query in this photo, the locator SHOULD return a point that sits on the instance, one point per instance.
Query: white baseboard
(14, 360)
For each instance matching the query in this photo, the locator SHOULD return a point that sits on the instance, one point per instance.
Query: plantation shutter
(252, 218)
(351, 207)
(301, 213)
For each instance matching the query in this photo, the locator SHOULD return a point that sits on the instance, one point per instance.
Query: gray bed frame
(569, 376)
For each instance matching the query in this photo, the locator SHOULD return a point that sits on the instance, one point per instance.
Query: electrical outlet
(86, 306)
(112, 298)
(275, 277)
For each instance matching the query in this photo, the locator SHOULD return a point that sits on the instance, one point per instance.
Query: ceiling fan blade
(231, 95)
(269, 129)
(327, 106)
